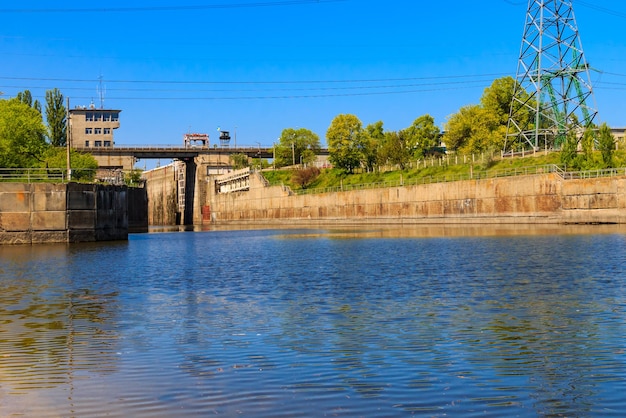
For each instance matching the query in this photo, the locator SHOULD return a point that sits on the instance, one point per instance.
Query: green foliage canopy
(22, 134)
(606, 145)
(422, 136)
(83, 165)
(373, 144)
(56, 115)
(477, 128)
(346, 142)
(239, 161)
(295, 146)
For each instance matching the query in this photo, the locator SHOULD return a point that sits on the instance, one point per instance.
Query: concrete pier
(32, 213)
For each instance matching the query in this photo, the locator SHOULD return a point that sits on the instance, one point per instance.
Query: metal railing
(59, 175)
(590, 174)
(482, 175)
(33, 175)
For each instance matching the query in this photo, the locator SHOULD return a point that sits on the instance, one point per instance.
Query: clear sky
(259, 66)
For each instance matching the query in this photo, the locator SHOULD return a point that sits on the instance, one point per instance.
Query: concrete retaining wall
(42, 213)
(544, 198)
(162, 195)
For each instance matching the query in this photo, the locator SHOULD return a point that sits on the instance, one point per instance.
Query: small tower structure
(553, 95)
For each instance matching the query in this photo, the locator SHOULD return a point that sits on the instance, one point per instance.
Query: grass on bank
(449, 167)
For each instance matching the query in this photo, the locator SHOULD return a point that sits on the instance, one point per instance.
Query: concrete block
(81, 219)
(46, 237)
(49, 197)
(15, 238)
(49, 221)
(16, 201)
(15, 221)
(81, 200)
(85, 235)
(15, 187)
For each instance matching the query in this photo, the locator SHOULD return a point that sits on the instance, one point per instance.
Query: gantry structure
(553, 96)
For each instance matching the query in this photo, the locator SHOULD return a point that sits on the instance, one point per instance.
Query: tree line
(474, 128)
(27, 142)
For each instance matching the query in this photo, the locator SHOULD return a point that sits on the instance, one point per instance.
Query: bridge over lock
(126, 156)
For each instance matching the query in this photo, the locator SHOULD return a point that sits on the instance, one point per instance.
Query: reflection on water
(372, 321)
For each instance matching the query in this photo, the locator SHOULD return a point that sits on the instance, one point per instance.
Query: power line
(601, 9)
(170, 8)
(78, 80)
(384, 86)
(308, 96)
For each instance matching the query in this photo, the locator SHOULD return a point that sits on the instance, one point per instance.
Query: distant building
(92, 128)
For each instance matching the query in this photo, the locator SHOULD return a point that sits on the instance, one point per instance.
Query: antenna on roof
(101, 91)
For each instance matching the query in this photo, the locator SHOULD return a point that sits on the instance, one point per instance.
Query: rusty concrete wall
(33, 213)
(97, 212)
(543, 198)
(162, 195)
(42, 213)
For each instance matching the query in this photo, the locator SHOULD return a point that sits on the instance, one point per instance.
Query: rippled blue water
(281, 323)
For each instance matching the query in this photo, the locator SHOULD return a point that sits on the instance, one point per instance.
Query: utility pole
(68, 139)
(553, 94)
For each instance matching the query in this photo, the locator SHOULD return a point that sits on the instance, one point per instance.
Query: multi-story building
(92, 128)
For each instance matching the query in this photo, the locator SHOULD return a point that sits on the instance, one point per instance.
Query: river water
(373, 322)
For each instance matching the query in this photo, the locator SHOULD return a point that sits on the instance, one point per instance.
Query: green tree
(395, 149)
(373, 143)
(422, 136)
(569, 151)
(497, 99)
(83, 166)
(239, 161)
(473, 129)
(22, 134)
(55, 116)
(295, 146)
(587, 142)
(25, 97)
(346, 142)
(606, 145)
(477, 128)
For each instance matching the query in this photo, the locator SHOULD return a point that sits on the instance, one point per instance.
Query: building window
(86, 144)
(97, 131)
(88, 131)
(107, 131)
(89, 117)
(98, 143)
(97, 117)
(115, 117)
(107, 143)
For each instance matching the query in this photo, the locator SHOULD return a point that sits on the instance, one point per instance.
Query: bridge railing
(173, 146)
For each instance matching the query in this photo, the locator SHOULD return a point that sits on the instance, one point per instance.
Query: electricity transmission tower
(553, 88)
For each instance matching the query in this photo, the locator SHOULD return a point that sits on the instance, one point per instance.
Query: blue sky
(259, 67)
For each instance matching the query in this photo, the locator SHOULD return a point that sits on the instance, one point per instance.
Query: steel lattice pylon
(553, 88)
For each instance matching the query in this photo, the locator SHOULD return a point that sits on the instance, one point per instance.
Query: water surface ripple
(283, 323)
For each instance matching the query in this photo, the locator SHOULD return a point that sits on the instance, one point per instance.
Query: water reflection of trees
(48, 336)
(540, 330)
